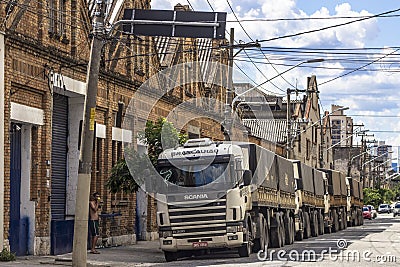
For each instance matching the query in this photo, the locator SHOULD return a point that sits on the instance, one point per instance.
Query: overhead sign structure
(190, 24)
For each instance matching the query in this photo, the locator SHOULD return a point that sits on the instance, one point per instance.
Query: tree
(128, 173)
(160, 135)
(372, 197)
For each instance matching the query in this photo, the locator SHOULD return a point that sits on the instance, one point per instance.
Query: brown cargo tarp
(307, 178)
(319, 183)
(286, 175)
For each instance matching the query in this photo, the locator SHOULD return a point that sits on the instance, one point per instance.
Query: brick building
(44, 51)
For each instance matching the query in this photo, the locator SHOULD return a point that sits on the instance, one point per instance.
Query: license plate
(200, 244)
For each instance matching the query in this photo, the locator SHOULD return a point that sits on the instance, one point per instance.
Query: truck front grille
(198, 221)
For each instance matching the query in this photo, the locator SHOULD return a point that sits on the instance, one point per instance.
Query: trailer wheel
(335, 221)
(276, 233)
(314, 224)
(286, 221)
(261, 242)
(283, 230)
(292, 230)
(321, 224)
(299, 234)
(170, 256)
(307, 226)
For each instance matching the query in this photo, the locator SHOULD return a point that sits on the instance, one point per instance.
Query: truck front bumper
(230, 240)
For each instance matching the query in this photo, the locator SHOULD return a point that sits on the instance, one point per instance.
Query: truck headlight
(165, 234)
(234, 228)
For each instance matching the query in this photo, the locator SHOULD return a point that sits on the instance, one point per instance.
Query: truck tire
(276, 233)
(321, 224)
(307, 226)
(300, 233)
(261, 242)
(335, 221)
(245, 250)
(288, 229)
(291, 231)
(170, 256)
(314, 224)
(345, 220)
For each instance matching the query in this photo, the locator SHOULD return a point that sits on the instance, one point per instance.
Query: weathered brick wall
(33, 52)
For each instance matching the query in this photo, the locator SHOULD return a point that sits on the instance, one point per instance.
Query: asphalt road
(376, 243)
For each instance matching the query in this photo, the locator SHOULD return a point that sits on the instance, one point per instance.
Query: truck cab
(206, 199)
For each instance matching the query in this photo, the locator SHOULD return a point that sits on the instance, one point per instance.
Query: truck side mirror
(246, 177)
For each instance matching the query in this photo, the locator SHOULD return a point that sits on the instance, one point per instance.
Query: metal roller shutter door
(59, 156)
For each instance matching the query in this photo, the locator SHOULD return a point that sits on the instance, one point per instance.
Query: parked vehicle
(367, 214)
(238, 195)
(384, 208)
(374, 214)
(396, 209)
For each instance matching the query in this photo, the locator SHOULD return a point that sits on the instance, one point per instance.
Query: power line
(310, 18)
(233, 12)
(328, 27)
(347, 73)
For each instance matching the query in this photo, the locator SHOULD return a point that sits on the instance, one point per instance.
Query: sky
(370, 45)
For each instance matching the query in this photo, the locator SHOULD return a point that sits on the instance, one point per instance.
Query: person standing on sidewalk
(94, 221)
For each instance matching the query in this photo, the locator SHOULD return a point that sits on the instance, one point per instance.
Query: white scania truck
(235, 195)
(224, 195)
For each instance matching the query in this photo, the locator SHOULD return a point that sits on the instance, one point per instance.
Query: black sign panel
(170, 23)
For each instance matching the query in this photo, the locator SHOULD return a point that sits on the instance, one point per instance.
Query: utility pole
(228, 120)
(79, 252)
(288, 124)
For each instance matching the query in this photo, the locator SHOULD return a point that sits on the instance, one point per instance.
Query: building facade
(44, 50)
(304, 135)
(341, 127)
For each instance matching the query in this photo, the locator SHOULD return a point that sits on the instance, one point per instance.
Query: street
(377, 241)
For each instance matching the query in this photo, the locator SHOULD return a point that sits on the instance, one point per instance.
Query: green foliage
(6, 255)
(379, 196)
(122, 177)
(127, 174)
(160, 135)
(372, 197)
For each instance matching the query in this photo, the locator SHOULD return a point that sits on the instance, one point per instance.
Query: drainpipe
(2, 57)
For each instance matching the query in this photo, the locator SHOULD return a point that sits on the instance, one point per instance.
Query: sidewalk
(144, 253)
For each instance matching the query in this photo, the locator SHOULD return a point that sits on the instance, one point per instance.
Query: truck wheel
(335, 221)
(170, 256)
(307, 226)
(292, 229)
(276, 233)
(288, 229)
(261, 242)
(245, 250)
(321, 224)
(300, 233)
(314, 224)
(283, 230)
(345, 220)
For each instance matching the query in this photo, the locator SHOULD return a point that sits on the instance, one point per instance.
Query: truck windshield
(196, 175)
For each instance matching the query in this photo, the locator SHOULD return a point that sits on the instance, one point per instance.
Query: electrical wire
(248, 35)
(363, 66)
(328, 27)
